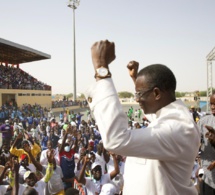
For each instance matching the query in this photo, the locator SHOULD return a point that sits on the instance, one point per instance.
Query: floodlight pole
(210, 59)
(74, 4)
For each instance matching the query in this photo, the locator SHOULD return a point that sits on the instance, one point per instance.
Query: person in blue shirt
(44, 140)
(30, 120)
(61, 116)
(1, 116)
(78, 118)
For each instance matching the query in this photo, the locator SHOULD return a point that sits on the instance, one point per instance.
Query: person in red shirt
(67, 159)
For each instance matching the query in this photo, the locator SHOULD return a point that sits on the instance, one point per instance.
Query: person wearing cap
(108, 189)
(94, 183)
(31, 179)
(165, 150)
(25, 166)
(102, 157)
(7, 132)
(93, 142)
(55, 184)
(91, 145)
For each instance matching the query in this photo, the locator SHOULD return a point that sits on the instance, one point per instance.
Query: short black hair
(30, 191)
(71, 191)
(160, 76)
(25, 142)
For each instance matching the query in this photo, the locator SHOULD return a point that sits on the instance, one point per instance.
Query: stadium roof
(13, 53)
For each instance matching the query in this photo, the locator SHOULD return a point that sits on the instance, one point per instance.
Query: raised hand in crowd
(6, 167)
(27, 137)
(210, 135)
(81, 177)
(18, 138)
(116, 166)
(15, 190)
(211, 166)
(50, 155)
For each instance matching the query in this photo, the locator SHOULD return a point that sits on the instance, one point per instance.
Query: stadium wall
(21, 97)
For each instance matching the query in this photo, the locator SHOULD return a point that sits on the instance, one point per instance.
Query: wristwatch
(102, 72)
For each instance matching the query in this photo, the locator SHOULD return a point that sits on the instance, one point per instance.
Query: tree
(82, 96)
(179, 94)
(203, 93)
(70, 95)
(125, 94)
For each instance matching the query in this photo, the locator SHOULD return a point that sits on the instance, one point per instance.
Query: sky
(177, 33)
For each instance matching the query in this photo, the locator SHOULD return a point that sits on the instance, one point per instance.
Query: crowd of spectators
(24, 113)
(62, 155)
(15, 78)
(67, 103)
(39, 142)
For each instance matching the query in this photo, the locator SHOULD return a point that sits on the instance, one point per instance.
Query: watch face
(102, 72)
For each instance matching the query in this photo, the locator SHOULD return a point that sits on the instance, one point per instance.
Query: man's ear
(157, 93)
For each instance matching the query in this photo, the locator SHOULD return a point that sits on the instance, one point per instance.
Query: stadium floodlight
(210, 59)
(74, 4)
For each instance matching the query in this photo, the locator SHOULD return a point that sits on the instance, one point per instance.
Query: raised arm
(13, 149)
(103, 53)
(133, 70)
(81, 178)
(6, 167)
(74, 143)
(18, 138)
(33, 160)
(28, 138)
(105, 154)
(49, 170)
(15, 190)
(116, 167)
(64, 140)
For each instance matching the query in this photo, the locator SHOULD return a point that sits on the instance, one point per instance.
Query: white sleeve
(21, 189)
(3, 189)
(43, 158)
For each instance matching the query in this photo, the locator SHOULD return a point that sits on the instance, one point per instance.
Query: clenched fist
(103, 53)
(133, 70)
